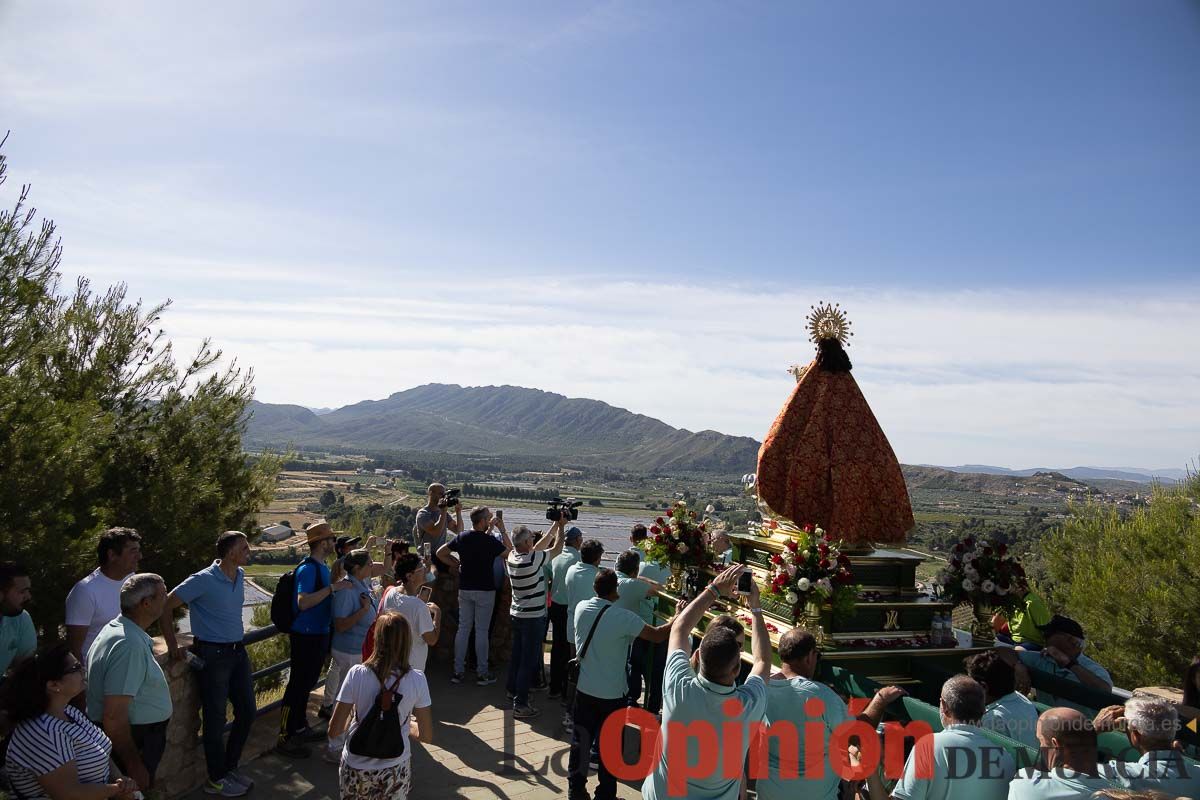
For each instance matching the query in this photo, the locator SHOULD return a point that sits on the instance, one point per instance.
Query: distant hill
(504, 420)
(1135, 474)
(1048, 481)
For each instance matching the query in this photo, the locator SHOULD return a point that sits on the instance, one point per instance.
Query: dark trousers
(637, 668)
(528, 634)
(151, 742)
(560, 652)
(658, 666)
(224, 679)
(308, 654)
(590, 714)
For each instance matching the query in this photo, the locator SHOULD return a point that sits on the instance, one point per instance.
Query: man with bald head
(1068, 743)
(434, 520)
(965, 764)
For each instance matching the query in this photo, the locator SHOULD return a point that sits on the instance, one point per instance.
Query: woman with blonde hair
(370, 690)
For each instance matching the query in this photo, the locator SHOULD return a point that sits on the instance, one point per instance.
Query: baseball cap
(343, 542)
(1060, 624)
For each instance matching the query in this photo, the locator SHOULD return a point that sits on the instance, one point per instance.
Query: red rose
(777, 559)
(659, 539)
(655, 529)
(792, 545)
(823, 563)
(809, 528)
(823, 549)
(1002, 549)
(660, 521)
(969, 541)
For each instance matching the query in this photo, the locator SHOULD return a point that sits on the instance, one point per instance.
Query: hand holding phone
(745, 580)
(424, 593)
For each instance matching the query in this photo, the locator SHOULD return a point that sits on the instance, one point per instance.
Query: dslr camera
(563, 509)
(450, 499)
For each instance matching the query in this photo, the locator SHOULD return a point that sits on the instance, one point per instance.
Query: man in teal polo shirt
(788, 696)
(705, 707)
(1009, 713)
(127, 693)
(962, 762)
(1152, 724)
(634, 593)
(580, 578)
(1068, 742)
(17, 635)
(1063, 657)
(560, 648)
(602, 685)
(657, 573)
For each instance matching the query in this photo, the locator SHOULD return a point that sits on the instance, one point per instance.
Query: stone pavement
(478, 751)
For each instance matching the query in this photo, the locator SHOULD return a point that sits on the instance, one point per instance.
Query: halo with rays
(829, 322)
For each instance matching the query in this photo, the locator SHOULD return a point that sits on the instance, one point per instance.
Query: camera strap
(588, 641)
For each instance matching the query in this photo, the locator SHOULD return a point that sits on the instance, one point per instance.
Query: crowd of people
(86, 714)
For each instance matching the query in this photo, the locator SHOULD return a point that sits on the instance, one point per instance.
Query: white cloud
(1015, 378)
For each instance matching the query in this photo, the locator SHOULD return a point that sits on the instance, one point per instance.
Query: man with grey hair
(127, 693)
(963, 763)
(1067, 741)
(525, 565)
(1152, 723)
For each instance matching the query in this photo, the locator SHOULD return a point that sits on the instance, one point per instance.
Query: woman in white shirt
(55, 752)
(362, 778)
(424, 618)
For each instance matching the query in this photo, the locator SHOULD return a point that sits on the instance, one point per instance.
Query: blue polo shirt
(312, 576)
(787, 700)
(214, 604)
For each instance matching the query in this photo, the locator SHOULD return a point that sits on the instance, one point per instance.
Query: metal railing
(254, 637)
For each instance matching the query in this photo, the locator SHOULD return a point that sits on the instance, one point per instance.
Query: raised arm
(551, 541)
(681, 628)
(760, 644)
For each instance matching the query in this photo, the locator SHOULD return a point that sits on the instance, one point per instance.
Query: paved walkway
(478, 751)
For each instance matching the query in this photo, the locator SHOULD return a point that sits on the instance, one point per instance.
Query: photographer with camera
(434, 520)
(477, 551)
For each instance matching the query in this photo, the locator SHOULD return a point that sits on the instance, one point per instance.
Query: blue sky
(360, 198)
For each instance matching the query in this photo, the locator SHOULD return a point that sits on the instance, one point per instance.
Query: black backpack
(283, 602)
(380, 734)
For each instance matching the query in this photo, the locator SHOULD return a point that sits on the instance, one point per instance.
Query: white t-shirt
(420, 621)
(360, 689)
(95, 601)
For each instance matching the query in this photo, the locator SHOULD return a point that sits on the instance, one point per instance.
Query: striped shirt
(527, 574)
(44, 744)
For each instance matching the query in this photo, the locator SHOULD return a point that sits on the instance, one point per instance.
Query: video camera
(450, 499)
(563, 509)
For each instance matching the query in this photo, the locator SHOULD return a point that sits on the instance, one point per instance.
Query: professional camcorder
(450, 499)
(563, 509)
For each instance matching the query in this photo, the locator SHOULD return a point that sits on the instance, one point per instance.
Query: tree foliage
(99, 426)
(1132, 582)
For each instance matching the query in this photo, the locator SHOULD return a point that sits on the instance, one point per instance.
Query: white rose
(968, 557)
(804, 584)
(792, 597)
(791, 570)
(988, 587)
(971, 573)
(825, 586)
(818, 531)
(968, 586)
(683, 548)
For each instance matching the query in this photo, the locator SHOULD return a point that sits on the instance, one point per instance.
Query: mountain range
(507, 420)
(511, 420)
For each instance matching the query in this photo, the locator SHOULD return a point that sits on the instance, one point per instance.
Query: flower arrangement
(677, 539)
(811, 570)
(982, 573)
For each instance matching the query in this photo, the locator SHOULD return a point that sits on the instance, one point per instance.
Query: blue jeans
(528, 635)
(225, 677)
(474, 609)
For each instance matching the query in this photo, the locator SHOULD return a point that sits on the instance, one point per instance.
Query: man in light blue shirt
(603, 646)
(1063, 657)
(560, 648)
(634, 592)
(1152, 723)
(788, 696)
(699, 711)
(18, 638)
(214, 597)
(579, 580)
(1068, 742)
(1009, 712)
(962, 762)
(127, 694)
(656, 573)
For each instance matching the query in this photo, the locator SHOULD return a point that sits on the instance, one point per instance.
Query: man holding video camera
(434, 520)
